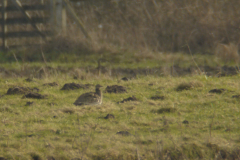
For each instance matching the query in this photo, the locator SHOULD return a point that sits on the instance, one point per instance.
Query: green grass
(55, 127)
(109, 59)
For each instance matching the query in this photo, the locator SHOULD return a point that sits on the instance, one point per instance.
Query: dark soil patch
(234, 96)
(165, 110)
(157, 97)
(188, 85)
(115, 89)
(68, 110)
(79, 77)
(34, 95)
(29, 103)
(30, 135)
(35, 156)
(218, 91)
(133, 98)
(29, 80)
(228, 71)
(185, 122)
(72, 86)
(109, 116)
(125, 79)
(51, 84)
(123, 133)
(2, 158)
(183, 86)
(21, 90)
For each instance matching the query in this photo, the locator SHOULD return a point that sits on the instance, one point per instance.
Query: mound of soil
(188, 85)
(115, 89)
(29, 103)
(133, 98)
(236, 96)
(182, 87)
(79, 77)
(29, 80)
(21, 90)
(125, 79)
(124, 133)
(109, 116)
(157, 97)
(72, 86)
(185, 122)
(51, 84)
(34, 95)
(219, 91)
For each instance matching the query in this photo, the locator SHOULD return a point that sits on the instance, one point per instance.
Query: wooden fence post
(4, 26)
(61, 17)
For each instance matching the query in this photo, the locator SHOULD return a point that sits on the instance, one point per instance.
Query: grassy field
(183, 109)
(187, 122)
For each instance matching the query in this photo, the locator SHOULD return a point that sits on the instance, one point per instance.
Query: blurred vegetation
(143, 27)
(162, 25)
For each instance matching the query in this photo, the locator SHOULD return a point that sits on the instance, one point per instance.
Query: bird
(90, 98)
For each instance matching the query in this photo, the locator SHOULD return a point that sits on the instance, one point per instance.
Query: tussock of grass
(227, 52)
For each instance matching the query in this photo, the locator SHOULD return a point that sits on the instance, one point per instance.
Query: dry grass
(157, 25)
(227, 52)
(150, 26)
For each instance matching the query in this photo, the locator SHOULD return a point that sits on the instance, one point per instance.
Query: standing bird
(90, 98)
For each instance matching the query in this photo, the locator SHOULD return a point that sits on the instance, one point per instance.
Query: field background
(176, 50)
(142, 27)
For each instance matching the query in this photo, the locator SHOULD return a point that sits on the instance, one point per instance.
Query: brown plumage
(90, 98)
